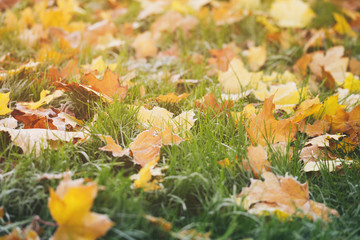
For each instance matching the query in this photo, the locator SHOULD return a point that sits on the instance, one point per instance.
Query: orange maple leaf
(109, 85)
(264, 128)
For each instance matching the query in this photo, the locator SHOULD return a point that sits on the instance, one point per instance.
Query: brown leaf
(50, 118)
(354, 66)
(331, 66)
(302, 64)
(319, 127)
(5, 4)
(264, 128)
(258, 162)
(283, 196)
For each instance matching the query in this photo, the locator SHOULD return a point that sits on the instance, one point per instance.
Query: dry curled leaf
(283, 196)
(331, 66)
(111, 146)
(35, 139)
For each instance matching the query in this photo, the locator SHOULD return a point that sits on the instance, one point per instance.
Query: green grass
(198, 193)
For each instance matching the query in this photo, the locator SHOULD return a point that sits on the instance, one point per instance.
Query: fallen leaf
(306, 108)
(264, 128)
(45, 98)
(171, 21)
(286, 96)
(210, 104)
(9, 122)
(170, 138)
(257, 162)
(143, 178)
(330, 165)
(70, 206)
(146, 147)
(5, 4)
(172, 98)
(50, 118)
(257, 57)
(342, 26)
(35, 139)
(302, 64)
(152, 8)
(319, 127)
(344, 122)
(109, 85)
(315, 153)
(221, 57)
(81, 88)
(331, 66)
(4, 101)
(352, 83)
(291, 13)
(224, 163)
(354, 66)
(323, 140)
(145, 45)
(330, 107)
(111, 146)
(237, 79)
(161, 119)
(284, 195)
(165, 225)
(21, 234)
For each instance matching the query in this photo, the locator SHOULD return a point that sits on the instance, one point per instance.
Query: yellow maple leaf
(70, 206)
(4, 100)
(342, 26)
(306, 108)
(44, 99)
(143, 178)
(269, 26)
(352, 83)
(291, 13)
(330, 107)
